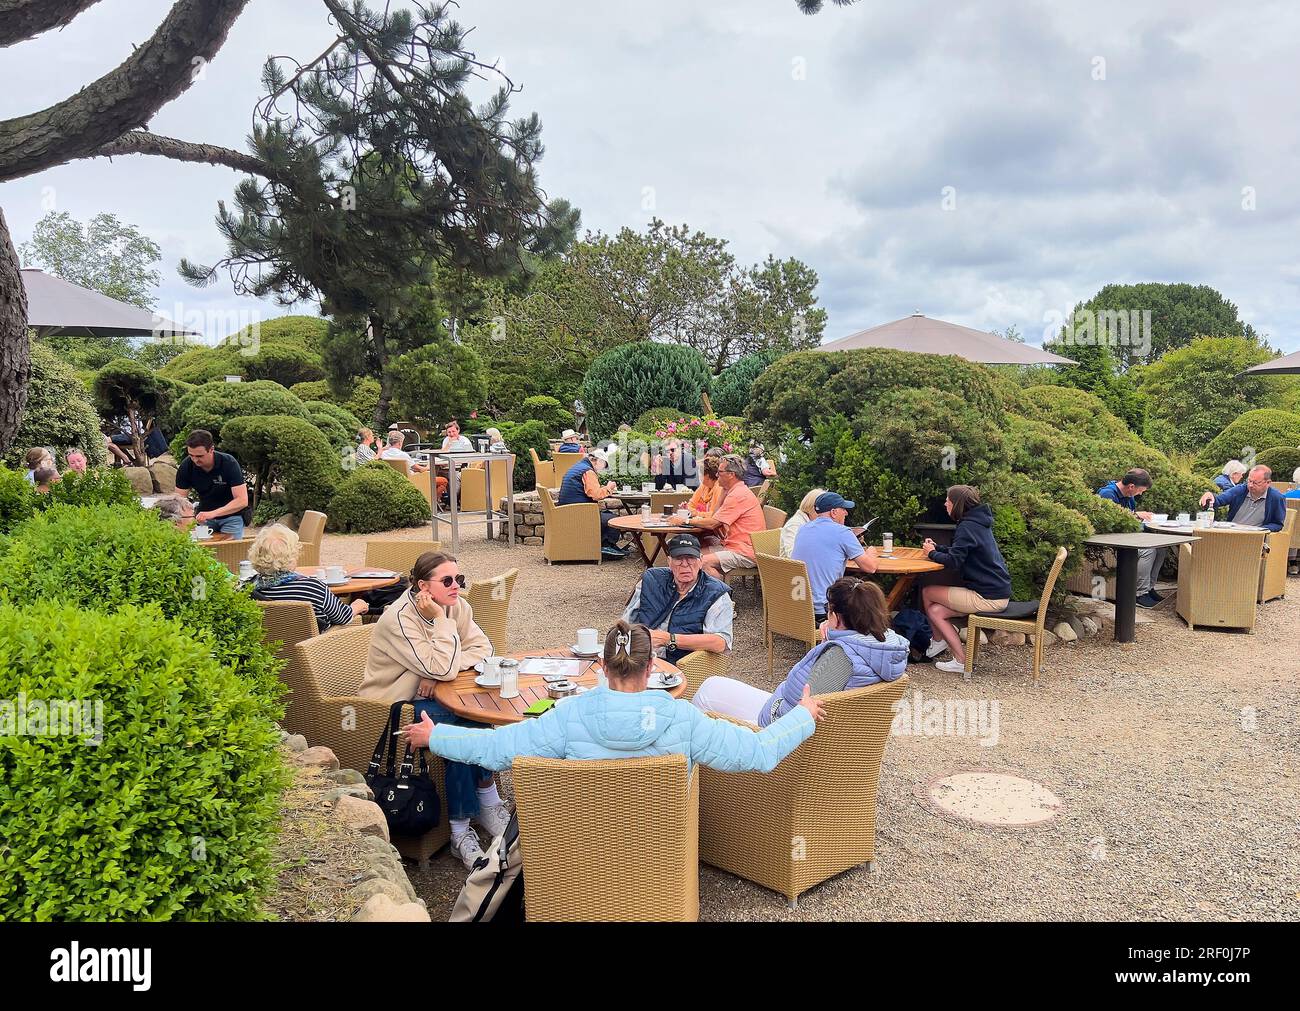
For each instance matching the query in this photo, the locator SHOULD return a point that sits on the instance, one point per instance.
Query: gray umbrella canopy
(56, 306)
(1287, 365)
(935, 337)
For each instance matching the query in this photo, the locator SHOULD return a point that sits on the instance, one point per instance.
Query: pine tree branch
(21, 20)
(144, 142)
(123, 99)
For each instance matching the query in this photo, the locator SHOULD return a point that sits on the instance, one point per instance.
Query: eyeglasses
(446, 581)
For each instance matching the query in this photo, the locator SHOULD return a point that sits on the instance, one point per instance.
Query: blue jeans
(233, 525)
(462, 779)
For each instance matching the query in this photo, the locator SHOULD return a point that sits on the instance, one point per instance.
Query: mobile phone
(539, 707)
(550, 679)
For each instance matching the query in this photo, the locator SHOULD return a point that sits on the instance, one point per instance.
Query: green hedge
(1259, 430)
(627, 380)
(374, 498)
(172, 814)
(59, 414)
(291, 452)
(519, 438)
(1282, 460)
(17, 499)
(99, 486)
(549, 411)
(286, 349)
(108, 557)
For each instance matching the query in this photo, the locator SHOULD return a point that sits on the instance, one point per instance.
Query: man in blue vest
(581, 484)
(1254, 502)
(684, 608)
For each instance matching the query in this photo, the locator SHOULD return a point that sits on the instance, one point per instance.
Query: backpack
(913, 626)
(494, 890)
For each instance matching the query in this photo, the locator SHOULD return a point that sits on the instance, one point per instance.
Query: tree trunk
(144, 142)
(137, 434)
(379, 340)
(15, 352)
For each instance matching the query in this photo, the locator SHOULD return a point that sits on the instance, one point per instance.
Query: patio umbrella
(1287, 365)
(936, 337)
(56, 306)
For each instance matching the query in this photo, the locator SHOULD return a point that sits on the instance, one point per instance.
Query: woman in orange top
(706, 497)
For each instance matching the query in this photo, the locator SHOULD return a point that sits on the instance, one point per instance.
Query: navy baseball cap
(829, 500)
(683, 546)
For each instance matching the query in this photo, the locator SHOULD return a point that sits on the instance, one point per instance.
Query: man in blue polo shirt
(825, 546)
(1125, 492)
(1254, 502)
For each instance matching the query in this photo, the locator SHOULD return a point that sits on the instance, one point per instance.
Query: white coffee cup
(587, 642)
(245, 570)
(492, 670)
(203, 531)
(1184, 517)
(335, 573)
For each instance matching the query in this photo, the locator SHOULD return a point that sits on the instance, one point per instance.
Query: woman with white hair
(496, 444)
(274, 554)
(807, 510)
(1232, 473)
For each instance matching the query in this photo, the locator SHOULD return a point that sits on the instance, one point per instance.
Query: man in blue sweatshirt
(1125, 492)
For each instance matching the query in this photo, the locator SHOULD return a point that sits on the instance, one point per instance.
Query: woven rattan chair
(700, 665)
(473, 486)
(490, 601)
(774, 518)
(402, 467)
(613, 839)
(572, 531)
(1272, 573)
(763, 490)
(1026, 616)
(814, 815)
(311, 532)
(424, 482)
(543, 470)
(768, 541)
(787, 602)
(231, 553)
(399, 556)
(659, 499)
(563, 461)
(1218, 579)
(1293, 507)
(326, 671)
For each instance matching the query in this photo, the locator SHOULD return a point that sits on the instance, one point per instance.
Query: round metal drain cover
(1000, 799)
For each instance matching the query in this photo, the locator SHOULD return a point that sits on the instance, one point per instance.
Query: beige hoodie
(405, 646)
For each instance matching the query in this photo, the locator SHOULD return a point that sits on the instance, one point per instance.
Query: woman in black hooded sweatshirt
(985, 581)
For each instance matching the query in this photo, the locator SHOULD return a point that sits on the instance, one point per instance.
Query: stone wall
(530, 527)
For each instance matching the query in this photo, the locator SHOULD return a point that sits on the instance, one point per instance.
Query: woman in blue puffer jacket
(859, 649)
(625, 721)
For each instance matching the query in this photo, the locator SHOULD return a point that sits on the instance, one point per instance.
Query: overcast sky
(1107, 142)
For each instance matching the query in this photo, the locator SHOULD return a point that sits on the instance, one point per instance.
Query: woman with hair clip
(625, 720)
(858, 649)
(426, 636)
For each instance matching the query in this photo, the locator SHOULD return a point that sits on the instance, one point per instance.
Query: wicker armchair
(473, 485)
(787, 602)
(489, 599)
(1218, 578)
(311, 532)
(767, 541)
(231, 553)
(544, 471)
(424, 482)
(1293, 506)
(700, 665)
(402, 467)
(1272, 573)
(563, 461)
(814, 815)
(659, 499)
(1018, 616)
(763, 490)
(399, 556)
(572, 531)
(774, 518)
(614, 839)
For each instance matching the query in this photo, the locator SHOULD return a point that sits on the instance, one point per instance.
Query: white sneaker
(936, 648)
(951, 667)
(467, 849)
(494, 819)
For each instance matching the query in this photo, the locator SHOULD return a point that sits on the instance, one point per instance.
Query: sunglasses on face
(446, 581)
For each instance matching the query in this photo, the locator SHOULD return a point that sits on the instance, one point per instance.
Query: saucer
(663, 681)
(483, 681)
(582, 653)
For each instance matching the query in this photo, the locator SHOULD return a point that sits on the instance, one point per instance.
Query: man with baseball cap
(825, 545)
(581, 484)
(685, 608)
(569, 442)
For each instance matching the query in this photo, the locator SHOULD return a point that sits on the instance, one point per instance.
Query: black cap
(683, 546)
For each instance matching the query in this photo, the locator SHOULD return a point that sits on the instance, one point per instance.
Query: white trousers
(730, 698)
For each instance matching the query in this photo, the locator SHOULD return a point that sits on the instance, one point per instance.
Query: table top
(353, 587)
(1139, 540)
(214, 539)
(903, 560)
(485, 705)
(461, 456)
(636, 524)
(633, 494)
(1191, 528)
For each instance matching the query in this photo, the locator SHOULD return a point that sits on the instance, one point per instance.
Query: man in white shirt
(394, 451)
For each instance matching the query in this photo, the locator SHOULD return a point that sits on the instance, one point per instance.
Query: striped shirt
(330, 611)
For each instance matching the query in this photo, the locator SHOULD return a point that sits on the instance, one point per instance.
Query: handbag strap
(385, 737)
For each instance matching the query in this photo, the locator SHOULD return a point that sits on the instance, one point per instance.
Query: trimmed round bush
(342, 415)
(627, 380)
(549, 411)
(248, 354)
(163, 802)
(211, 406)
(1075, 412)
(108, 557)
(1259, 430)
(99, 486)
(1282, 460)
(731, 387)
(59, 414)
(17, 499)
(291, 452)
(284, 364)
(375, 498)
(520, 438)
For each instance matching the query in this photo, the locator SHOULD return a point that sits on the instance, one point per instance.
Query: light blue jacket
(607, 724)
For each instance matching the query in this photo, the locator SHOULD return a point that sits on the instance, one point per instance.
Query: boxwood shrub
(17, 498)
(519, 438)
(1259, 430)
(291, 452)
(374, 498)
(97, 486)
(107, 557)
(166, 807)
(211, 406)
(1282, 460)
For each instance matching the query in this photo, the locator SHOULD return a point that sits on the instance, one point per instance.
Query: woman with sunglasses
(429, 636)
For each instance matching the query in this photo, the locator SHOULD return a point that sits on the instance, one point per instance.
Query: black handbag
(408, 799)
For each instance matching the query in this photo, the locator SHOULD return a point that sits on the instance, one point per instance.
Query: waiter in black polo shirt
(219, 481)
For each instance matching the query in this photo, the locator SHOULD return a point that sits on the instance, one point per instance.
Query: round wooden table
(660, 531)
(632, 501)
(353, 587)
(485, 705)
(214, 539)
(906, 564)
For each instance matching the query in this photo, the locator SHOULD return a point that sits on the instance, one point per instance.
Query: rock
(389, 869)
(1090, 625)
(164, 477)
(320, 757)
(1049, 639)
(140, 478)
(381, 909)
(376, 846)
(296, 742)
(284, 735)
(1065, 632)
(1017, 638)
(534, 540)
(363, 816)
(381, 886)
(350, 790)
(349, 777)
(1002, 638)
(1076, 623)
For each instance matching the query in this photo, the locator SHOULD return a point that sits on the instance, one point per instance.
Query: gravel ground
(1175, 758)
